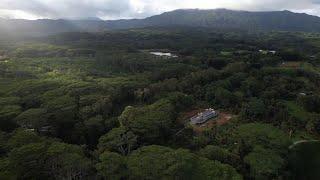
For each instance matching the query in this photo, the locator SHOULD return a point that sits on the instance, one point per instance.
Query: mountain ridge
(210, 18)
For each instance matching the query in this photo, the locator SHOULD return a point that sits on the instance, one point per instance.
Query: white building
(203, 117)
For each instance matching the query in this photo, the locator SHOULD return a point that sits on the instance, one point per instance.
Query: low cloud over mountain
(115, 9)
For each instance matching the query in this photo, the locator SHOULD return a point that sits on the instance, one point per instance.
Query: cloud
(115, 9)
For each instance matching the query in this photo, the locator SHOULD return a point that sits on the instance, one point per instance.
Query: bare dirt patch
(291, 64)
(4, 58)
(223, 118)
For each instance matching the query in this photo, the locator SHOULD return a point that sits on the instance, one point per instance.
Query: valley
(118, 104)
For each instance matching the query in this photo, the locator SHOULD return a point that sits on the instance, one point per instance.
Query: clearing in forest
(223, 118)
(291, 64)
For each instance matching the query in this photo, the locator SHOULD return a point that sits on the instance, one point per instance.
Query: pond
(164, 54)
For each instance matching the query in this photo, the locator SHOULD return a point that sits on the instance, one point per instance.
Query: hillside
(217, 18)
(223, 18)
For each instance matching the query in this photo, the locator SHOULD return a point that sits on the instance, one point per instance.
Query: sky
(127, 9)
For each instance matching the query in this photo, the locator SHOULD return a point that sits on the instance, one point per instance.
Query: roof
(203, 116)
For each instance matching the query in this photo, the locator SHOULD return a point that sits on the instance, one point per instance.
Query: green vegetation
(99, 106)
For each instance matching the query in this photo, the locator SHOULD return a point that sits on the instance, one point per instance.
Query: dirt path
(302, 142)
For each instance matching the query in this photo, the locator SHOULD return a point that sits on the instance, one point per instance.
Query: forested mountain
(188, 94)
(223, 18)
(217, 18)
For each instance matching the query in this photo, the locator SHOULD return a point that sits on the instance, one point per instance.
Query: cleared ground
(223, 118)
(291, 64)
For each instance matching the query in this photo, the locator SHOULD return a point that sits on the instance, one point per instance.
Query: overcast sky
(115, 9)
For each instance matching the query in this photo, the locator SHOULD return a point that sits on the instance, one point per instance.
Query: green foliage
(11, 111)
(264, 164)
(152, 123)
(5, 171)
(67, 161)
(290, 55)
(254, 110)
(267, 136)
(296, 110)
(23, 137)
(105, 94)
(7, 113)
(218, 63)
(252, 86)
(224, 98)
(32, 118)
(118, 139)
(3, 143)
(112, 166)
(28, 160)
(175, 164)
(180, 101)
(95, 127)
(219, 154)
(311, 103)
(298, 114)
(63, 103)
(9, 101)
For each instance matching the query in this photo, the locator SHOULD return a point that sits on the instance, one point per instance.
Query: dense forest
(101, 106)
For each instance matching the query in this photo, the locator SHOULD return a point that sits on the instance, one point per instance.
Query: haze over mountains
(217, 18)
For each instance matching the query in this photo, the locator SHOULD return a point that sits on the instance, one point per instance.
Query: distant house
(267, 52)
(273, 52)
(305, 93)
(203, 117)
(3, 57)
(313, 56)
(163, 54)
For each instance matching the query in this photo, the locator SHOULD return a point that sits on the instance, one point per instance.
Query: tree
(264, 164)
(32, 118)
(152, 124)
(95, 127)
(66, 161)
(290, 55)
(310, 102)
(7, 114)
(180, 101)
(111, 166)
(142, 95)
(218, 63)
(267, 136)
(6, 172)
(23, 137)
(252, 86)
(254, 110)
(224, 98)
(312, 126)
(157, 162)
(119, 140)
(103, 106)
(219, 154)
(28, 161)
